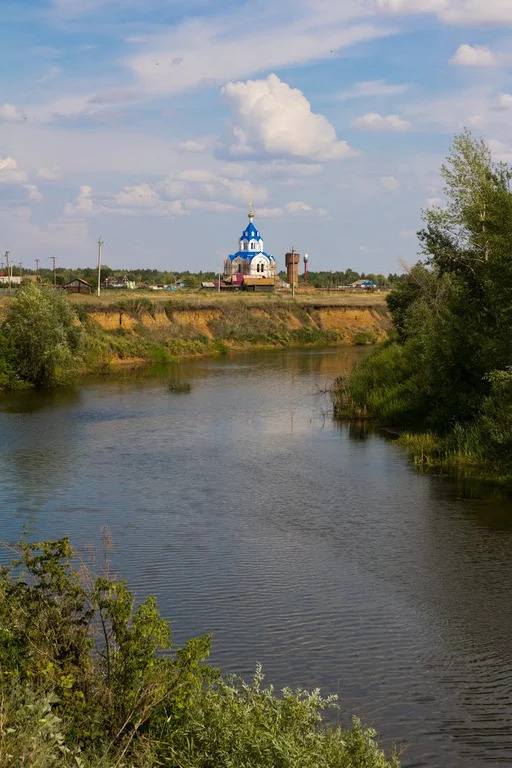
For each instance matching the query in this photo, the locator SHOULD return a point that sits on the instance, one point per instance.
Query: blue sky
(153, 124)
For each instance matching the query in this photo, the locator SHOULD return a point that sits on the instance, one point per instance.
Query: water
(311, 547)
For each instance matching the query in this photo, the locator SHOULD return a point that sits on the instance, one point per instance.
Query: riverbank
(45, 339)
(140, 329)
(375, 392)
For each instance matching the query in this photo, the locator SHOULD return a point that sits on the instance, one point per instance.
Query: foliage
(364, 337)
(448, 370)
(44, 336)
(88, 679)
(175, 385)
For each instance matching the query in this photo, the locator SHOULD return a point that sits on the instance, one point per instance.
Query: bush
(44, 336)
(364, 338)
(175, 385)
(87, 679)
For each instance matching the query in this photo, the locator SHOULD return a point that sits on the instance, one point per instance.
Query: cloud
(9, 113)
(49, 174)
(10, 173)
(83, 205)
(33, 192)
(192, 146)
(188, 191)
(505, 100)
(433, 202)
(270, 118)
(16, 188)
(372, 121)
(461, 12)
(180, 193)
(204, 185)
(294, 208)
(389, 183)
(214, 50)
(501, 151)
(474, 56)
(371, 88)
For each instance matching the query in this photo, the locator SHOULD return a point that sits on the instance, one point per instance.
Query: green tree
(44, 335)
(449, 370)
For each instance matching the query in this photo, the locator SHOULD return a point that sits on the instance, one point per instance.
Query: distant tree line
(320, 279)
(333, 279)
(65, 275)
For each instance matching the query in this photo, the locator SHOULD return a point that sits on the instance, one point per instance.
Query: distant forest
(321, 279)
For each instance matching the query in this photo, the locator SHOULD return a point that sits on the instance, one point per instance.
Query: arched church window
(239, 267)
(245, 246)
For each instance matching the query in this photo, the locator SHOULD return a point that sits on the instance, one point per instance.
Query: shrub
(175, 385)
(364, 338)
(87, 679)
(44, 335)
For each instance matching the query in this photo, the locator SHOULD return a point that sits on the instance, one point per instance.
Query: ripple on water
(312, 548)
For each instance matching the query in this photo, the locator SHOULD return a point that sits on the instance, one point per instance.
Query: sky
(154, 123)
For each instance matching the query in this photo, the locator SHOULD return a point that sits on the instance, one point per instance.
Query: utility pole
(37, 266)
(100, 243)
(54, 271)
(8, 271)
(219, 280)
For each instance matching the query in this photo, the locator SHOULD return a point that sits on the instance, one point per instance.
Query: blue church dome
(251, 243)
(251, 233)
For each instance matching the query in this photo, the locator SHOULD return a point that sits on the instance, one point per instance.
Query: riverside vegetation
(446, 375)
(46, 340)
(89, 681)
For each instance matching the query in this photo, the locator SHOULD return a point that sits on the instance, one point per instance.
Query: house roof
(259, 281)
(78, 280)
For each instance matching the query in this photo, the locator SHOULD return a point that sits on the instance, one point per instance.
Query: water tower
(292, 260)
(306, 259)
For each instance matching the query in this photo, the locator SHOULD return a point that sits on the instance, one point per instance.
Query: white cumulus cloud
(389, 183)
(474, 56)
(505, 100)
(33, 193)
(83, 205)
(11, 114)
(10, 173)
(49, 174)
(271, 118)
(372, 121)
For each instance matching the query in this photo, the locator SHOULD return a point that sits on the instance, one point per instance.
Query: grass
(175, 385)
(192, 298)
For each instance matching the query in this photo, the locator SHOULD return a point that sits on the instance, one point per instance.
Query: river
(312, 547)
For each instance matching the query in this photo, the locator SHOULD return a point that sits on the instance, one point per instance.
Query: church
(250, 260)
